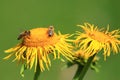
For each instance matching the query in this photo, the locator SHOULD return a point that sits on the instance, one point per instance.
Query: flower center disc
(99, 36)
(39, 37)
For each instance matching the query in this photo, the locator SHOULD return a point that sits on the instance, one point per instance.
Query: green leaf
(23, 68)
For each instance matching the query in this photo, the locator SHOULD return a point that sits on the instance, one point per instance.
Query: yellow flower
(36, 46)
(81, 54)
(82, 57)
(92, 40)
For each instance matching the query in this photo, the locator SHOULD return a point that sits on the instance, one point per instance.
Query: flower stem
(76, 77)
(37, 73)
(81, 71)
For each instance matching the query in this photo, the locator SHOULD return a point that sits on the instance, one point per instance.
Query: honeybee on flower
(36, 46)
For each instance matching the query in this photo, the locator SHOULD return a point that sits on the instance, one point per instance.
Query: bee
(50, 31)
(23, 34)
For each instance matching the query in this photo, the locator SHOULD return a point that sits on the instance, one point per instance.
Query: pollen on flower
(93, 39)
(39, 37)
(37, 44)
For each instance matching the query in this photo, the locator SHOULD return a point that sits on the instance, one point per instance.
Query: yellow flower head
(36, 46)
(82, 57)
(92, 40)
(81, 54)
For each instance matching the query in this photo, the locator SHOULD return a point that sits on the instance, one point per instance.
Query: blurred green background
(20, 15)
